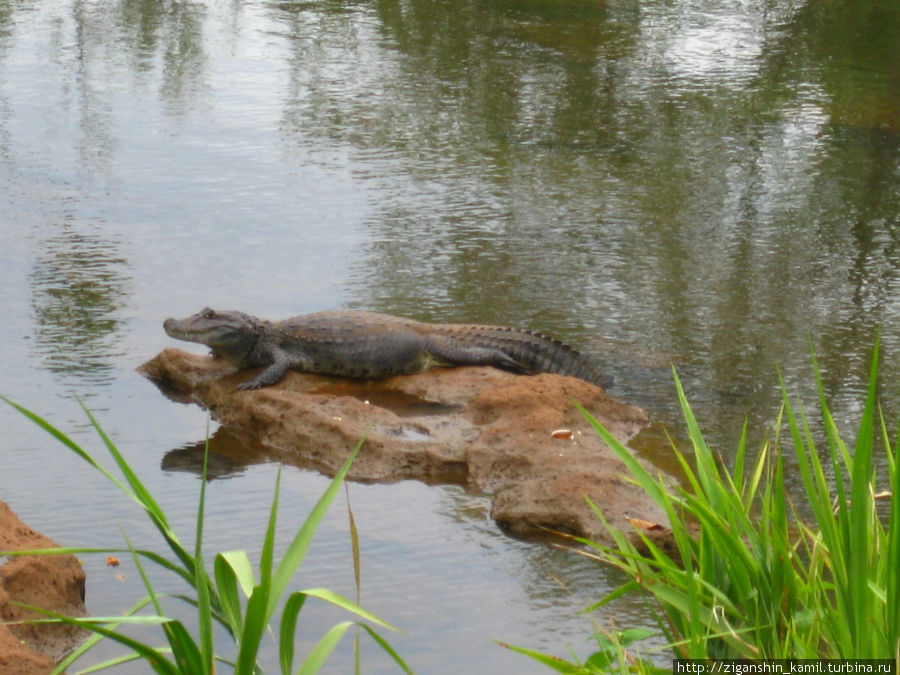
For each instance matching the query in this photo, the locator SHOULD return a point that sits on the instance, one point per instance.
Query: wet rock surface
(487, 429)
(50, 582)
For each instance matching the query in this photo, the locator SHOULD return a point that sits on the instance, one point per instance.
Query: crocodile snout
(171, 327)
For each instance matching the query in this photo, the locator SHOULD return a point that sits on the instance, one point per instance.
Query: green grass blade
(815, 484)
(63, 550)
(706, 470)
(860, 513)
(739, 459)
(751, 487)
(204, 610)
(386, 647)
(546, 660)
(255, 622)
(300, 544)
(893, 550)
(835, 530)
(345, 604)
(357, 575)
(288, 629)
(105, 665)
(186, 652)
(242, 568)
(144, 578)
(98, 625)
(268, 549)
(88, 621)
(153, 657)
(320, 653)
(78, 550)
(94, 638)
(143, 496)
(72, 445)
(641, 475)
(227, 589)
(624, 589)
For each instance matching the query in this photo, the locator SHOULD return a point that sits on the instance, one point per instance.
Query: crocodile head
(231, 335)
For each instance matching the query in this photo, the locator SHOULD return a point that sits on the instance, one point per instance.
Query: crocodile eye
(208, 313)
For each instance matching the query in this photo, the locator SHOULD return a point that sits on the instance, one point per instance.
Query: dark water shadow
(229, 455)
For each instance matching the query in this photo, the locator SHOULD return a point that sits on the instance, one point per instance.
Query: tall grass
(232, 594)
(753, 574)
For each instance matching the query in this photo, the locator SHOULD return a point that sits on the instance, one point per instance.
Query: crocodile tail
(534, 352)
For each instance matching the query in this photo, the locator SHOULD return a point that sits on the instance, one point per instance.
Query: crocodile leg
(281, 363)
(450, 351)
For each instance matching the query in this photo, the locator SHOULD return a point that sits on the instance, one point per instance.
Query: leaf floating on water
(112, 561)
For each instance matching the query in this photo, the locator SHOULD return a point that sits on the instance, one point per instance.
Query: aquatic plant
(753, 574)
(232, 595)
(610, 656)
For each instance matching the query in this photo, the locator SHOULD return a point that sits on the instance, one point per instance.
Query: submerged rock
(54, 582)
(518, 438)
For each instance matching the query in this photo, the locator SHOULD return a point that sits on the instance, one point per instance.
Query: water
(711, 187)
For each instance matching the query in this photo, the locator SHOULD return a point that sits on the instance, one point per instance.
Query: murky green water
(710, 185)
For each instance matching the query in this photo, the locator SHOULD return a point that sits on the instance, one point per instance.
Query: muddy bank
(50, 582)
(487, 429)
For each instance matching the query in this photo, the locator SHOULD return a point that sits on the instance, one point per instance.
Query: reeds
(244, 602)
(755, 576)
(752, 574)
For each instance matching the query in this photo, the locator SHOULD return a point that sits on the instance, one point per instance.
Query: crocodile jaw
(230, 335)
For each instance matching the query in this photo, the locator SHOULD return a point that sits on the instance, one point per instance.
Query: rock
(54, 582)
(518, 438)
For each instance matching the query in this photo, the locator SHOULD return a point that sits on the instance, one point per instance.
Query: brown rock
(517, 437)
(53, 582)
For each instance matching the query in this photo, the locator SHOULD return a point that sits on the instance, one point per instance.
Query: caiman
(358, 344)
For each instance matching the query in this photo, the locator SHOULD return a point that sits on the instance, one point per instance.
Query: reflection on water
(228, 456)
(714, 188)
(853, 49)
(78, 284)
(146, 35)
